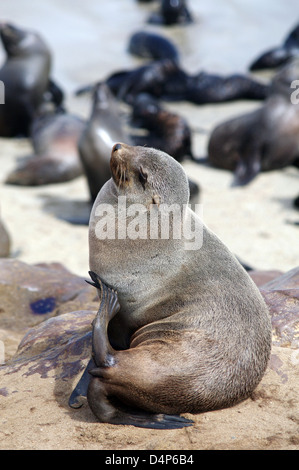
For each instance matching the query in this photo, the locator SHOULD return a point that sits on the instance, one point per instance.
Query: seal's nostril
(116, 147)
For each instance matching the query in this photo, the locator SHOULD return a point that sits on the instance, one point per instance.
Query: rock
(56, 347)
(282, 297)
(32, 293)
(281, 294)
(262, 277)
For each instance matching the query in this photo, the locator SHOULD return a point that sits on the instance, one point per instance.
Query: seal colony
(178, 330)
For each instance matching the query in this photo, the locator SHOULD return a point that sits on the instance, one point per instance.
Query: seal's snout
(116, 147)
(118, 164)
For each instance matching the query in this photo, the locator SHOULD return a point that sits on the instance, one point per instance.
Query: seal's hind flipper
(153, 421)
(122, 415)
(109, 409)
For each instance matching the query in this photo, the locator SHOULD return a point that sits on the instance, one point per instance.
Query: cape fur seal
(54, 136)
(171, 12)
(25, 75)
(152, 46)
(178, 329)
(262, 140)
(166, 79)
(279, 55)
(102, 130)
(167, 131)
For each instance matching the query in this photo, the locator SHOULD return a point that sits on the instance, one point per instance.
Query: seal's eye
(142, 177)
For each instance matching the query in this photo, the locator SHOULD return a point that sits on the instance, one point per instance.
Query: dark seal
(265, 139)
(165, 79)
(279, 55)
(54, 136)
(171, 13)
(102, 130)
(167, 131)
(26, 78)
(152, 46)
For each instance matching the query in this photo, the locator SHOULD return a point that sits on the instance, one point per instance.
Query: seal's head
(148, 176)
(17, 41)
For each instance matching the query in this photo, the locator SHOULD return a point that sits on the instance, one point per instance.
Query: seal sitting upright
(181, 327)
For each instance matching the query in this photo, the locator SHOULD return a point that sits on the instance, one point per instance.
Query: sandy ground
(255, 222)
(39, 420)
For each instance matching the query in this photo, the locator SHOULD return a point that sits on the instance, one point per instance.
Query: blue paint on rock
(42, 306)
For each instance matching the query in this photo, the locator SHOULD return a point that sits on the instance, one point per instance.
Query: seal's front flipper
(81, 388)
(102, 389)
(246, 170)
(102, 352)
